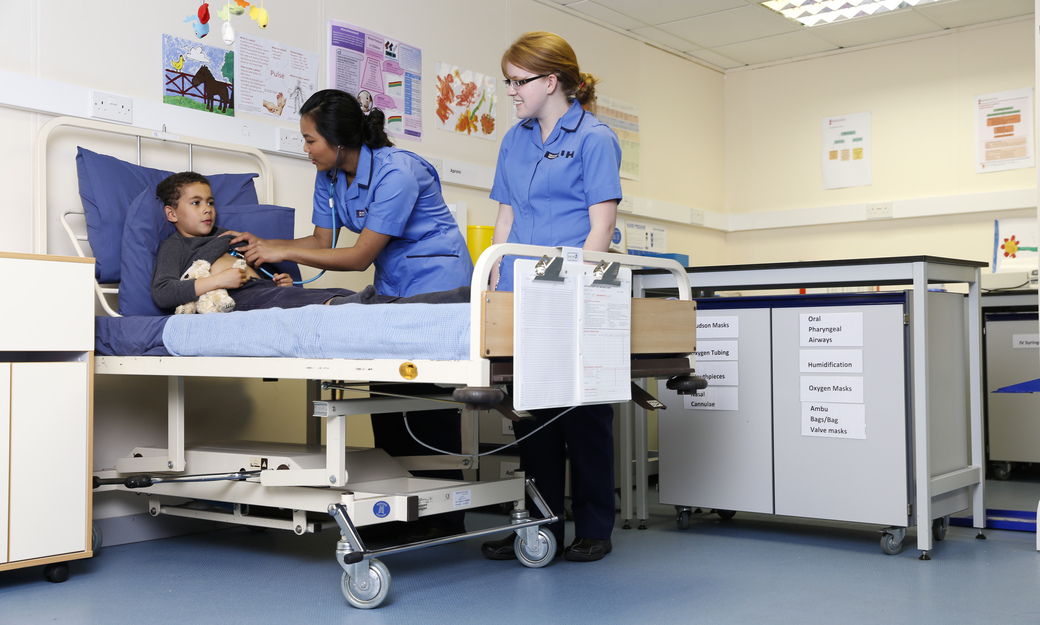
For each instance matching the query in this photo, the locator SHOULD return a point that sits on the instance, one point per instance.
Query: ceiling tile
(607, 15)
(713, 58)
(671, 41)
(883, 27)
(663, 11)
(785, 46)
(733, 26)
(969, 12)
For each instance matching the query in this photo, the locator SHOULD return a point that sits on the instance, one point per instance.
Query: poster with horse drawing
(197, 76)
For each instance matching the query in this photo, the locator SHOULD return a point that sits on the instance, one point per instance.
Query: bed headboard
(57, 191)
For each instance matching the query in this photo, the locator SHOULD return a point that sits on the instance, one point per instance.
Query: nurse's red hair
(542, 52)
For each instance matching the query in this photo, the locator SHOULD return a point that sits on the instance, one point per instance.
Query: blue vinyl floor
(751, 569)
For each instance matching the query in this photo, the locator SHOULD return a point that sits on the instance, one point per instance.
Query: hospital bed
(466, 348)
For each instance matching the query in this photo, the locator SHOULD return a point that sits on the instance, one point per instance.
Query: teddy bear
(216, 300)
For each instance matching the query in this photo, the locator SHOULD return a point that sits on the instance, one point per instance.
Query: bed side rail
(106, 293)
(488, 344)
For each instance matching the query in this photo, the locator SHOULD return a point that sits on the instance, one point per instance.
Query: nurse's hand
(258, 251)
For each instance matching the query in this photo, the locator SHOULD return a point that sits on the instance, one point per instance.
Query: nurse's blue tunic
(397, 193)
(551, 186)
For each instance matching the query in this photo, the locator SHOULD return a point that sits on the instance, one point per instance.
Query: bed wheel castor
(370, 593)
(539, 554)
(686, 384)
(479, 397)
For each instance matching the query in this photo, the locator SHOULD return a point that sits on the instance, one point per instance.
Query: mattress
(380, 331)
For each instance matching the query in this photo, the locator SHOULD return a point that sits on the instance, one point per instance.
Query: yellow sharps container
(478, 238)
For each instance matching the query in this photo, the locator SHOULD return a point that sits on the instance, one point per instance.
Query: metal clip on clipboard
(606, 274)
(549, 269)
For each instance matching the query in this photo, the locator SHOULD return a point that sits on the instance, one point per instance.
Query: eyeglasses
(516, 84)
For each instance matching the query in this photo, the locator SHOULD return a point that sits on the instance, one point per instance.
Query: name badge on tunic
(360, 213)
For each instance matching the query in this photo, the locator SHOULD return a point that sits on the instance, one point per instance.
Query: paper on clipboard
(571, 337)
(605, 348)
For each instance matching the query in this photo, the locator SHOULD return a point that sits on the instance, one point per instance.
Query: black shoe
(501, 549)
(587, 549)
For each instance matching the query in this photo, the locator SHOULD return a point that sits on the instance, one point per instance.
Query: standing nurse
(391, 197)
(557, 184)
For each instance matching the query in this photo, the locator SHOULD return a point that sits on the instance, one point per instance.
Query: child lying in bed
(188, 203)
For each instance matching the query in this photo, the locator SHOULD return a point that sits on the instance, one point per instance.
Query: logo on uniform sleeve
(360, 213)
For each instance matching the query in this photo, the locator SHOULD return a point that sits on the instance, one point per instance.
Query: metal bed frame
(359, 487)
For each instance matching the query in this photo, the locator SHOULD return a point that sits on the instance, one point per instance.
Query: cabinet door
(48, 496)
(839, 413)
(717, 446)
(5, 453)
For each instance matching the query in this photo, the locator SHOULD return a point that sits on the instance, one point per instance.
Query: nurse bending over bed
(390, 197)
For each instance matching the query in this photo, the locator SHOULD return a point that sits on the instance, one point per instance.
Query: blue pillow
(108, 185)
(147, 227)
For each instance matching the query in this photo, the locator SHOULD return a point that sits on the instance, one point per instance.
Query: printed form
(571, 345)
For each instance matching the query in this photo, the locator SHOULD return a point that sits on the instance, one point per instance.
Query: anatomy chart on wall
(381, 72)
(198, 76)
(846, 151)
(465, 101)
(1004, 131)
(623, 119)
(273, 79)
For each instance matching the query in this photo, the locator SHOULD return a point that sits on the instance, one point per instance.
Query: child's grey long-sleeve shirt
(175, 255)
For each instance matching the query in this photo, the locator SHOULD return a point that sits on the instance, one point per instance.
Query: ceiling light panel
(817, 12)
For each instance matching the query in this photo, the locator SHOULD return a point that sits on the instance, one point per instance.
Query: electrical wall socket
(879, 210)
(290, 141)
(696, 217)
(111, 107)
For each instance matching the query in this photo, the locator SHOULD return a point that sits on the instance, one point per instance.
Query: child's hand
(231, 278)
(283, 279)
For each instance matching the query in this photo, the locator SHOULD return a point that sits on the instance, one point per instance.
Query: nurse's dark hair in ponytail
(338, 118)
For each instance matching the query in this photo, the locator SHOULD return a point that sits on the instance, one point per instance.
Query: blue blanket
(396, 331)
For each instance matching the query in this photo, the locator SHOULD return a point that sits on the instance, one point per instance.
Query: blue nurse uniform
(551, 185)
(396, 193)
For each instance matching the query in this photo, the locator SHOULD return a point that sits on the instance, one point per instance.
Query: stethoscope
(332, 205)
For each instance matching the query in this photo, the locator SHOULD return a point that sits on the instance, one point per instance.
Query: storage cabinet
(46, 381)
(807, 409)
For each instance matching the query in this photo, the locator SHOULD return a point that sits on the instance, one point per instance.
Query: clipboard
(572, 333)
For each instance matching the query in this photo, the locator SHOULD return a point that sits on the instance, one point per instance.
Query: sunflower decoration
(1010, 246)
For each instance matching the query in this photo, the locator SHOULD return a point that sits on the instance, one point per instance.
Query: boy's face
(194, 214)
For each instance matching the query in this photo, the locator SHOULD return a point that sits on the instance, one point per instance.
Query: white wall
(920, 94)
(115, 46)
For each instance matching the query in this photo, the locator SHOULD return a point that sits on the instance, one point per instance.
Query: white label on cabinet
(712, 398)
(718, 372)
(831, 329)
(716, 350)
(830, 360)
(845, 389)
(718, 327)
(1025, 341)
(834, 420)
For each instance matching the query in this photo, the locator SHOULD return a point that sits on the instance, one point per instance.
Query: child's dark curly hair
(169, 190)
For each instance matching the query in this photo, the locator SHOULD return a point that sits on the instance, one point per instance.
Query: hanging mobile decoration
(226, 31)
(259, 13)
